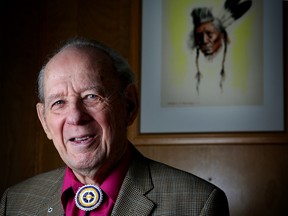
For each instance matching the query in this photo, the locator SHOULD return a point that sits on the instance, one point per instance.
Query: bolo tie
(88, 198)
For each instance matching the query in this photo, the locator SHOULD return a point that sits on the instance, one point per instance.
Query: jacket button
(50, 210)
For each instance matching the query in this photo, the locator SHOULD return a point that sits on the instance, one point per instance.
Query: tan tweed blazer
(149, 188)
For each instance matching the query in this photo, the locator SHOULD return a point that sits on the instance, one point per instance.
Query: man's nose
(77, 114)
(205, 39)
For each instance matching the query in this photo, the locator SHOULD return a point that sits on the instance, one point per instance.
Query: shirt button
(50, 210)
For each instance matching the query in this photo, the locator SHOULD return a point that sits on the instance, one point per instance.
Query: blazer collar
(137, 183)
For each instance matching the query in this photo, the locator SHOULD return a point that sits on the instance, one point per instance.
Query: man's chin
(82, 165)
(207, 52)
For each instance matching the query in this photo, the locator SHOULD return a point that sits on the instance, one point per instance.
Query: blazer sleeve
(216, 204)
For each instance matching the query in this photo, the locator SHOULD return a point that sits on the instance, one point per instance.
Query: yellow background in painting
(240, 54)
(176, 29)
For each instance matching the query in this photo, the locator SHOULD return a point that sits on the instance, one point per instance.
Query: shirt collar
(111, 185)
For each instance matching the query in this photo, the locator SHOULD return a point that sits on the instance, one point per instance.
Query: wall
(253, 174)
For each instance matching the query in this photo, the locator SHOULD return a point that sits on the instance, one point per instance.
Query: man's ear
(132, 101)
(40, 112)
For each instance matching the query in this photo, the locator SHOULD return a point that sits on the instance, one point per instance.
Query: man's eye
(93, 97)
(58, 103)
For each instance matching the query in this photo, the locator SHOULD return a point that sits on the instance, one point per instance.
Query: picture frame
(168, 135)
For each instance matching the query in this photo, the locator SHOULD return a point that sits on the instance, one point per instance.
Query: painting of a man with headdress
(212, 52)
(209, 34)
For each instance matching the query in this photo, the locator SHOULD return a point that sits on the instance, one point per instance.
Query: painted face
(84, 111)
(208, 38)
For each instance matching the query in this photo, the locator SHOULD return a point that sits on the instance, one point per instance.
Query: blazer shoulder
(159, 170)
(41, 180)
(195, 193)
(27, 197)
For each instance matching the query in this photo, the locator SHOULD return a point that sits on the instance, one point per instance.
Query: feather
(237, 8)
(233, 10)
(230, 3)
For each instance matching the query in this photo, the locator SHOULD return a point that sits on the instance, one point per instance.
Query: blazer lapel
(137, 183)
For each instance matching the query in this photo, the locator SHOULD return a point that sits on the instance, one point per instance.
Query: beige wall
(250, 168)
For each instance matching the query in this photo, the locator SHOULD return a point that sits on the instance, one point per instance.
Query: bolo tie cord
(222, 72)
(198, 74)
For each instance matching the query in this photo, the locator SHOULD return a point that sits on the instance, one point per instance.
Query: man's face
(84, 112)
(208, 38)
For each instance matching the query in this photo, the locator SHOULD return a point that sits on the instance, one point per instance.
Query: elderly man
(87, 100)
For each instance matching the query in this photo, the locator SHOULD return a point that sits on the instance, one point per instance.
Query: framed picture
(188, 95)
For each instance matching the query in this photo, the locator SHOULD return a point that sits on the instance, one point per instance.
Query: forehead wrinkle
(99, 89)
(93, 61)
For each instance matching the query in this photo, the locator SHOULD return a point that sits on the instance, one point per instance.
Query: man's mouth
(82, 139)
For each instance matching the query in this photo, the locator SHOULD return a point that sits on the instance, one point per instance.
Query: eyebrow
(99, 89)
(52, 98)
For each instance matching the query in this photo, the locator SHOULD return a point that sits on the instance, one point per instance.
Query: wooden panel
(19, 57)
(106, 21)
(253, 176)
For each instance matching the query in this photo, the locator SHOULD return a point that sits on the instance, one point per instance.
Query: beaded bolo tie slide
(88, 197)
